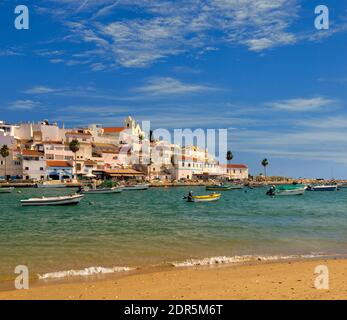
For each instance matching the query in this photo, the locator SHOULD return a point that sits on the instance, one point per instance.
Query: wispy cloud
(42, 90)
(168, 86)
(302, 104)
(23, 105)
(166, 28)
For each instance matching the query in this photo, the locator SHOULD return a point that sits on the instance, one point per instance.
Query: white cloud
(41, 90)
(167, 86)
(23, 105)
(302, 104)
(166, 28)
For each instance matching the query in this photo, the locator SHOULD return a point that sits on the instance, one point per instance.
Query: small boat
(6, 190)
(322, 188)
(102, 190)
(49, 184)
(53, 201)
(136, 187)
(208, 198)
(287, 190)
(224, 187)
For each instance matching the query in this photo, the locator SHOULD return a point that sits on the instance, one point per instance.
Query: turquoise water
(156, 227)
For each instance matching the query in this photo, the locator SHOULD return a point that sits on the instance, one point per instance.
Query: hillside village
(41, 151)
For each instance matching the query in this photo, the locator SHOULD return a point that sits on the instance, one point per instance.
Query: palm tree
(5, 152)
(74, 146)
(230, 156)
(265, 163)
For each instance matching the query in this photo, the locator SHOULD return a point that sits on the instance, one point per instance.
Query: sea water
(136, 229)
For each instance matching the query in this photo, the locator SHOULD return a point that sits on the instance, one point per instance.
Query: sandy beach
(280, 280)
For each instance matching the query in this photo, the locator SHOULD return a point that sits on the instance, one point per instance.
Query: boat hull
(223, 188)
(208, 198)
(298, 192)
(6, 190)
(322, 188)
(103, 191)
(136, 187)
(54, 201)
(57, 185)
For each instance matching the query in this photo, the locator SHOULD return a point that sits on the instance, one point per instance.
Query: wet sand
(280, 280)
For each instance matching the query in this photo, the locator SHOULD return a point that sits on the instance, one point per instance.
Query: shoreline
(283, 279)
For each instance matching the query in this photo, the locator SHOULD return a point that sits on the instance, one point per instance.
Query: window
(27, 168)
(2, 162)
(41, 169)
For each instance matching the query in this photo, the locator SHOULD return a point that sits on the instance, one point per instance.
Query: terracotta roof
(236, 166)
(113, 130)
(90, 162)
(58, 164)
(32, 153)
(125, 172)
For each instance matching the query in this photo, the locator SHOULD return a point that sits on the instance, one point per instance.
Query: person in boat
(271, 191)
(80, 189)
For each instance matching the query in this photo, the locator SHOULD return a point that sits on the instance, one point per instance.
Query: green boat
(224, 187)
(287, 190)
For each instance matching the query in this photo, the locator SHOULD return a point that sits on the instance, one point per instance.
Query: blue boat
(322, 188)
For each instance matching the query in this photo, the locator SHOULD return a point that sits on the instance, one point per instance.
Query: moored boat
(287, 190)
(101, 190)
(224, 187)
(6, 190)
(136, 187)
(53, 201)
(322, 188)
(207, 198)
(49, 184)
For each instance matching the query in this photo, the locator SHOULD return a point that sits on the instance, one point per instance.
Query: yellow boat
(207, 198)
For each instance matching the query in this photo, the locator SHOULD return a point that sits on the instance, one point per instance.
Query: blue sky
(256, 67)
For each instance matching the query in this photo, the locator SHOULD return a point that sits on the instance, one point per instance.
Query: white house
(34, 165)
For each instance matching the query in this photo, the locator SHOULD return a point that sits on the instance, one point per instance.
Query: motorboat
(287, 190)
(6, 190)
(51, 184)
(322, 188)
(225, 187)
(53, 201)
(136, 187)
(206, 198)
(88, 190)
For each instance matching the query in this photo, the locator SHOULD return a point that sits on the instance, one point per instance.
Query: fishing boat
(50, 184)
(102, 190)
(6, 190)
(53, 201)
(225, 187)
(207, 198)
(136, 187)
(322, 188)
(287, 190)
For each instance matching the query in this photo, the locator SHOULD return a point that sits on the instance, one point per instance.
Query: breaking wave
(83, 273)
(213, 261)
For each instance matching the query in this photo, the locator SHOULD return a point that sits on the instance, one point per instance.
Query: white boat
(51, 185)
(322, 188)
(102, 190)
(136, 187)
(53, 201)
(6, 190)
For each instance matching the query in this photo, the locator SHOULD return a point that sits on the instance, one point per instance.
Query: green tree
(74, 146)
(265, 163)
(230, 156)
(5, 152)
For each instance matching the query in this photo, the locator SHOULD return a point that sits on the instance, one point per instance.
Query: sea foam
(213, 261)
(83, 273)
